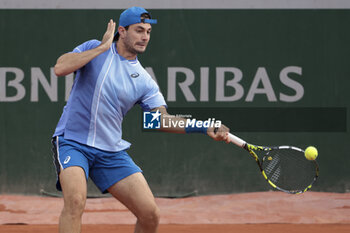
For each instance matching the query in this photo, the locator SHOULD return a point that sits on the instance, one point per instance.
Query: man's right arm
(70, 62)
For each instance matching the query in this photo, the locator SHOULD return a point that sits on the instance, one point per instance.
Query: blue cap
(132, 15)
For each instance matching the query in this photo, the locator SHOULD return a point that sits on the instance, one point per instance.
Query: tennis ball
(311, 153)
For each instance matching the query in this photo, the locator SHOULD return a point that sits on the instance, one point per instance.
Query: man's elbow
(59, 71)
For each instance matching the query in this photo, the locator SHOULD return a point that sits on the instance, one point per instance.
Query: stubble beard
(131, 49)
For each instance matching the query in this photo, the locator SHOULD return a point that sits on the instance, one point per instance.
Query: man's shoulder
(87, 45)
(93, 43)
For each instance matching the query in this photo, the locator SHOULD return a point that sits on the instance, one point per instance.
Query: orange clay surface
(248, 212)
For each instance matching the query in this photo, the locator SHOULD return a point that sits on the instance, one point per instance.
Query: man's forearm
(172, 124)
(70, 62)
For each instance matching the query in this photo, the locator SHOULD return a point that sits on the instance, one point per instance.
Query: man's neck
(122, 51)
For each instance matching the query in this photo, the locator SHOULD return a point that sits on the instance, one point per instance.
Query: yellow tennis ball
(311, 153)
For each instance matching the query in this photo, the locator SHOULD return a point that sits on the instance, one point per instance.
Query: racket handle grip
(236, 140)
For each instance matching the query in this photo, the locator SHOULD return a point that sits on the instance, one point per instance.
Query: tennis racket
(285, 168)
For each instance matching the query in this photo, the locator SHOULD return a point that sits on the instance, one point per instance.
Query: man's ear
(121, 31)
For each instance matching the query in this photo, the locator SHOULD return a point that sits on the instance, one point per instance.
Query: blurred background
(275, 72)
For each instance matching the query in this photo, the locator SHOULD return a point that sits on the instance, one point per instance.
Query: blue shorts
(103, 167)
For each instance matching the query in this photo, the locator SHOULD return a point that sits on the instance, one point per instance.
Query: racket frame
(252, 148)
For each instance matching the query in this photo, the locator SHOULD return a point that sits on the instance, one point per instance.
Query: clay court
(250, 212)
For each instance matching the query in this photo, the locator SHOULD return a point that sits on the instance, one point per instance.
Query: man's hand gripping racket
(284, 167)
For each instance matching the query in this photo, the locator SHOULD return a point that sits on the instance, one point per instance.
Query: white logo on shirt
(66, 160)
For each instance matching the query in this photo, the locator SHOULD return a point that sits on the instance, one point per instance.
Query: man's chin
(140, 51)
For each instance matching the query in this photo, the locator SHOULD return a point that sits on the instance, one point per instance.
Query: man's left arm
(178, 125)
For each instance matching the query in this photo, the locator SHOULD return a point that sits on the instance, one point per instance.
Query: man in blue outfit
(88, 142)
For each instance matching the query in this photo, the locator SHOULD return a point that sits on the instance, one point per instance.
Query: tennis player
(109, 81)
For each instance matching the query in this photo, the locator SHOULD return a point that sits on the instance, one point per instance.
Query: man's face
(137, 37)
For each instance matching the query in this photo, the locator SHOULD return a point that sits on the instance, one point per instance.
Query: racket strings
(273, 170)
(289, 169)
